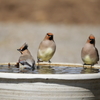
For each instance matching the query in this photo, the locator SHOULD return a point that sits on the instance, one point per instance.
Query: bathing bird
(46, 48)
(89, 52)
(26, 61)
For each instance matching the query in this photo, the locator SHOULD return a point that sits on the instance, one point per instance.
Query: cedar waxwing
(46, 49)
(89, 53)
(26, 60)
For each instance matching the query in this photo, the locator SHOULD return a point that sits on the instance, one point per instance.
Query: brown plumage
(89, 53)
(26, 59)
(46, 48)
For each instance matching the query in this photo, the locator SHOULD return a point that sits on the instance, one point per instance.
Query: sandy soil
(51, 11)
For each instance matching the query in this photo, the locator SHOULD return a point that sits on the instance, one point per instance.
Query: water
(50, 70)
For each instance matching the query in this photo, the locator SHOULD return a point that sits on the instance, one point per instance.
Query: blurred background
(71, 22)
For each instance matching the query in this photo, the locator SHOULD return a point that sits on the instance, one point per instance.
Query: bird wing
(24, 63)
(97, 53)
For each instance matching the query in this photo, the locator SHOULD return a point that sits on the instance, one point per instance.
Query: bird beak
(18, 49)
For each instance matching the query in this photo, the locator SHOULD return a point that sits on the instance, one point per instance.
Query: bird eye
(48, 35)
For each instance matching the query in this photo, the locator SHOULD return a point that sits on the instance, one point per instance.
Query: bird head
(91, 39)
(49, 36)
(23, 47)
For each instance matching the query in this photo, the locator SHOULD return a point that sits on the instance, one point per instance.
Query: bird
(46, 48)
(26, 61)
(89, 52)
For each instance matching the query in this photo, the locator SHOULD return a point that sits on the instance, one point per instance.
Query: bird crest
(23, 47)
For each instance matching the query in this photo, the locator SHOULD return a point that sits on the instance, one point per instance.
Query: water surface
(50, 70)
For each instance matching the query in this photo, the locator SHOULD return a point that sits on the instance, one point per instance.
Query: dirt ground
(51, 11)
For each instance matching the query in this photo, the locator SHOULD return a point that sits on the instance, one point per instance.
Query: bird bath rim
(50, 76)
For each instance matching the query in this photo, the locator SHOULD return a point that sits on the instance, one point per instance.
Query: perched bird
(89, 53)
(26, 60)
(46, 48)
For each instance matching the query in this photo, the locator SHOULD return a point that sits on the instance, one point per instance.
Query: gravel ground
(69, 40)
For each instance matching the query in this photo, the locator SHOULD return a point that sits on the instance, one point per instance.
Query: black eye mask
(92, 41)
(25, 47)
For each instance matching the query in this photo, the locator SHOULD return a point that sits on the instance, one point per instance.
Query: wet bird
(26, 60)
(89, 53)
(46, 48)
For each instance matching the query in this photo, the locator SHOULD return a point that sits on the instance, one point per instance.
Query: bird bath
(28, 86)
